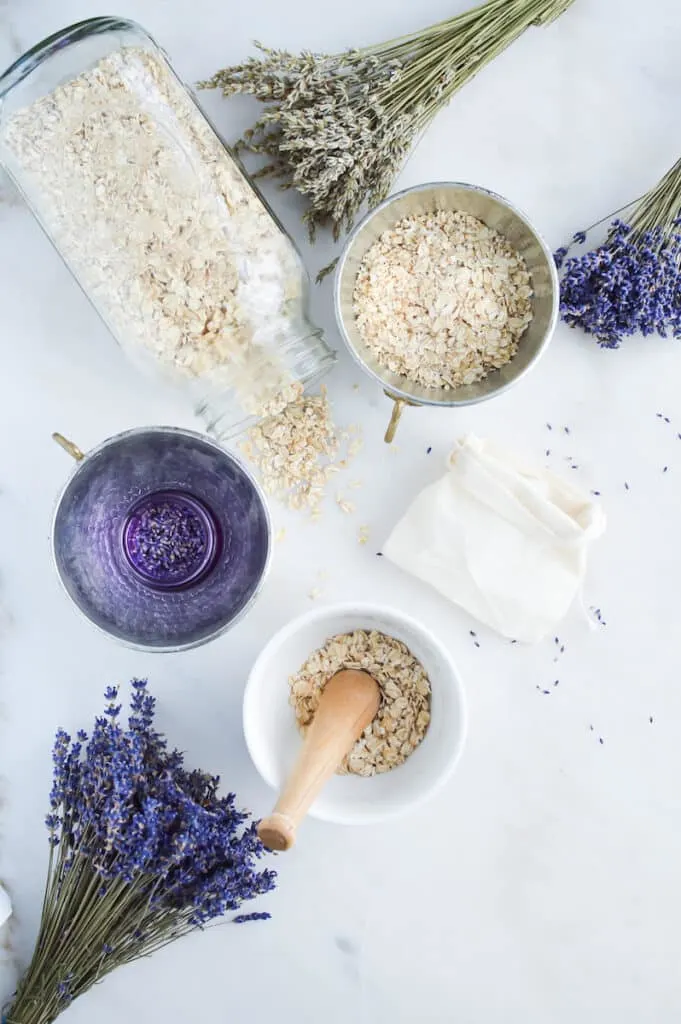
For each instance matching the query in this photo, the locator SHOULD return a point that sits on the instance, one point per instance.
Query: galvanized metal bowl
(497, 213)
(97, 544)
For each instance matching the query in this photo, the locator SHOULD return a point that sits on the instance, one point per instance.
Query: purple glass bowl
(161, 538)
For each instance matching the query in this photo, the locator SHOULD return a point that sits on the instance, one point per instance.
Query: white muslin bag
(505, 540)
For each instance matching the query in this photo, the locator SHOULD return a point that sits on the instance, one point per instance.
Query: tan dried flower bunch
(337, 128)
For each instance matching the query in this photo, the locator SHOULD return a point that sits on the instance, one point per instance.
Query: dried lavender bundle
(632, 283)
(337, 128)
(142, 852)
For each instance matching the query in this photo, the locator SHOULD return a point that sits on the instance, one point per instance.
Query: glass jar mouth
(24, 65)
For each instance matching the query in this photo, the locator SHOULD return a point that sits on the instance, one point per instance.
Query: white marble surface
(542, 885)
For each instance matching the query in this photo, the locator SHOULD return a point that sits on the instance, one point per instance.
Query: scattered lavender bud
(651, 719)
(549, 427)
(429, 450)
(566, 429)
(598, 615)
(626, 486)
(472, 632)
(601, 740)
(243, 918)
(665, 469)
(548, 452)
(379, 554)
(596, 493)
(476, 643)
(667, 420)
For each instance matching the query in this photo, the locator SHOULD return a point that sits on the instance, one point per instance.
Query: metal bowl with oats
(495, 212)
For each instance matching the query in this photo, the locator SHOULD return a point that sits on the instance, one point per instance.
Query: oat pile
(298, 451)
(163, 230)
(404, 712)
(442, 299)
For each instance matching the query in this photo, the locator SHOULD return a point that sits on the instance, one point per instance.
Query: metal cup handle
(398, 406)
(68, 446)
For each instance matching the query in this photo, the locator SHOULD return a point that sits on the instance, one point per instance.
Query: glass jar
(158, 222)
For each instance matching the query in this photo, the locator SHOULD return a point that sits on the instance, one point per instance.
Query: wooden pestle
(348, 703)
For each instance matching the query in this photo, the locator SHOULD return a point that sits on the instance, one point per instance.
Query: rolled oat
(404, 711)
(297, 452)
(441, 299)
(161, 227)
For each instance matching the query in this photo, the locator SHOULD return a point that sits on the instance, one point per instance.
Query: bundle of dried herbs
(142, 851)
(337, 128)
(631, 284)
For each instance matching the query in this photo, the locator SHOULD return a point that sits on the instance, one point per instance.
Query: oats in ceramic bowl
(426, 680)
(404, 710)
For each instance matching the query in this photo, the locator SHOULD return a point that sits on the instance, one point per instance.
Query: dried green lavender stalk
(337, 128)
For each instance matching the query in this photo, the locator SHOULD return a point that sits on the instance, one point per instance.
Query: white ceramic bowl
(273, 739)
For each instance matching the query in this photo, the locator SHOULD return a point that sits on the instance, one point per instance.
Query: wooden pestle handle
(348, 704)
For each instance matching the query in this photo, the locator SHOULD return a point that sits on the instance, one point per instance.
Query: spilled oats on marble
(404, 711)
(298, 451)
(442, 299)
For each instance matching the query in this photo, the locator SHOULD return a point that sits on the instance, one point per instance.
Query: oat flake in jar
(158, 222)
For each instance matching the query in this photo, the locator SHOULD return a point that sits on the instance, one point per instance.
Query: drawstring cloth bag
(505, 540)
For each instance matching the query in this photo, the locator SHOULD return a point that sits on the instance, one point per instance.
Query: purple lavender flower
(144, 850)
(139, 811)
(559, 255)
(630, 285)
(142, 812)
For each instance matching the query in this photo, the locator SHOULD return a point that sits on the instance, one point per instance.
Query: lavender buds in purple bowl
(161, 538)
